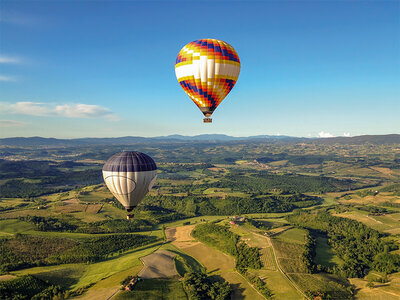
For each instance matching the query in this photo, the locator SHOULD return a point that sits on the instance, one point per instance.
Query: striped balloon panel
(207, 70)
(130, 161)
(129, 176)
(129, 187)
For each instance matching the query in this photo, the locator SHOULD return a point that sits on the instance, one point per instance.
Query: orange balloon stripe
(207, 88)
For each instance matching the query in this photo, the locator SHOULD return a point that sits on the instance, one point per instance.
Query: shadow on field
(237, 291)
(63, 277)
(190, 263)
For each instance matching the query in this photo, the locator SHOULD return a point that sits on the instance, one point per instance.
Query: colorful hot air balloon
(129, 176)
(207, 70)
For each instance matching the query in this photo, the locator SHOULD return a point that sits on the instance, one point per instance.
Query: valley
(63, 233)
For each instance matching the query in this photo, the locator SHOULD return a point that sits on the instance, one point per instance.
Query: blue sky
(106, 68)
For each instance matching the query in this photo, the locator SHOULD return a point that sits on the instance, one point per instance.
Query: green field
(12, 226)
(294, 235)
(279, 285)
(155, 289)
(324, 254)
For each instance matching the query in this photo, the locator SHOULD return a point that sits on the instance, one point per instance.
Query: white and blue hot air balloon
(129, 176)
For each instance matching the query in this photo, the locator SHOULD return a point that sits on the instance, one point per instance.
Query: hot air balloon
(207, 70)
(129, 176)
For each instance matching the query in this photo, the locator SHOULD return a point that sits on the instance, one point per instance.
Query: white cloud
(82, 111)
(30, 108)
(6, 78)
(325, 135)
(346, 134)
(11, 123)
(64, 110)
(9, 59)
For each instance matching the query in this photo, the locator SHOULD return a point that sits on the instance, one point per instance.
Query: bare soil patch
(180, 236)
(159, 264)
(211, 258)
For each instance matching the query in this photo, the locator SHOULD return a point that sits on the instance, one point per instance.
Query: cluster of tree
(24, 251)
(115, 226)
(360, 247)
(386, 262)
(19, 188)
(309, 251)
(30, 287)
(106, 226)
(53, 292)
(217, 236)
(261, 224)
(199, 286)
(374, 209)
(100, 248)
(263, 182)
(247, 257)
(176, 168)
(32, 169)
(50, 184)
(202, 206)
(49, 224)
(223, 239)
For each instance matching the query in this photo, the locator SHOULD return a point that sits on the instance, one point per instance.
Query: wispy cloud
(347, 134)
(9, 59)
(82, 111)
(7, 78)
(76, 110)
(31, 109)
(11, 123)
(325, 135)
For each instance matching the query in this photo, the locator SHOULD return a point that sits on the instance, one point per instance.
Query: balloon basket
(128, 217)
(207, 120)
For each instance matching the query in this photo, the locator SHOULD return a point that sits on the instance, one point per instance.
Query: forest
(360, 247)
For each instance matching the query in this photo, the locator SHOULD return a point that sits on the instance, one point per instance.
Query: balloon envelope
(129, 176)
(207, 70)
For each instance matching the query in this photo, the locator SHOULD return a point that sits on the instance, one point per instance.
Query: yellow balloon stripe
(207, 71)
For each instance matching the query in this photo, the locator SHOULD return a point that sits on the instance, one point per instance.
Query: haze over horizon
(309, 69)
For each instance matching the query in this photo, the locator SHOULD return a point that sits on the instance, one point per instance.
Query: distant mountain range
(128, 140)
